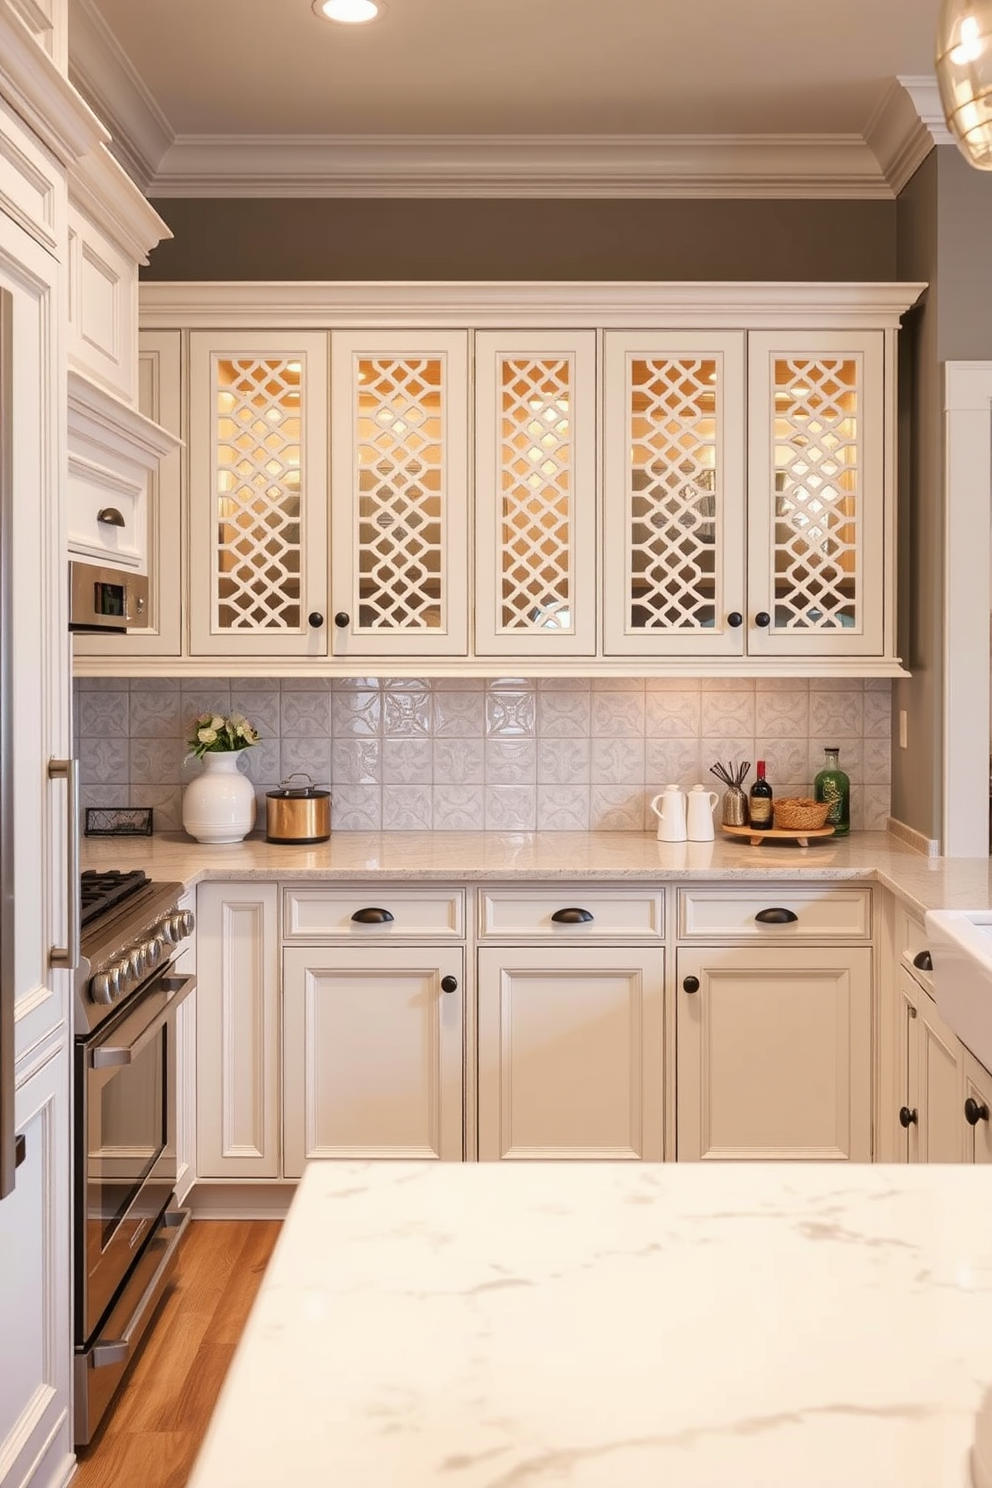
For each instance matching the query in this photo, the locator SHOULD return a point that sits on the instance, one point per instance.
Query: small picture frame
(118, 821)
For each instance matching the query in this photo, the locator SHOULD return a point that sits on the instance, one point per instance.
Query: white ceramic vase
(219, 805)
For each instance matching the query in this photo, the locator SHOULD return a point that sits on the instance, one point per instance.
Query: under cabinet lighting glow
(351, 12)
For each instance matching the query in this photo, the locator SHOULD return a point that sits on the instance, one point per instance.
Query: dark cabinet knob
(20, 1149)
(449, 984)
(907, 1118)
(342, 620)
(735, 619)
(372, 916)
(974, 1113)
(572, 916)
(763, 619)
(690, 984)
(776, 916)
(315, 619)
(923, 961)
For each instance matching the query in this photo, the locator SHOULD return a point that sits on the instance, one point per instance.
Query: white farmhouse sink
(961, 948)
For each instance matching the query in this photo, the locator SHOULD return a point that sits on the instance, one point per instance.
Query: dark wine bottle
(760, 799)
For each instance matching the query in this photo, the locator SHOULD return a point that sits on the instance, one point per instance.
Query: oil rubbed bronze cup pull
(776, 916)
(372, 916)
(572, 916)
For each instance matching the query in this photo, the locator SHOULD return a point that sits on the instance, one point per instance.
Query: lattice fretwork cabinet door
(258, 494)
(535, 534)
(819, 488)
(399, 493)
(673, 493)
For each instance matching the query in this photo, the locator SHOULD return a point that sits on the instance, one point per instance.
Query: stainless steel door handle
(68, 955)
(105, 1056)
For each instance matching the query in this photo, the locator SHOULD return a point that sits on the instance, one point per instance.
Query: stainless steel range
(127, 1223)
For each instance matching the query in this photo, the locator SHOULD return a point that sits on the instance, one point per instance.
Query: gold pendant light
(964, 73)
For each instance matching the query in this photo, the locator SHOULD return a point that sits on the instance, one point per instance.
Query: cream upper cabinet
(535, 494)
(673, 489)
(258, 494)
(399, 493)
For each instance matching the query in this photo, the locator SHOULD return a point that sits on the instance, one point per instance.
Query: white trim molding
(36, 90)
(101, 188)
(107, 79)
(967, 597)
(100, 422)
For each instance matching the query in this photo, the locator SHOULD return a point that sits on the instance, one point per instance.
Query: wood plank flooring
(154, 1428)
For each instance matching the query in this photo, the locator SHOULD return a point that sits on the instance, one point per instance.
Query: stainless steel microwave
(106, 598)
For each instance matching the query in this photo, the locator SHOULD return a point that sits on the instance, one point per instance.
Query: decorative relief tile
(564, 761)
(407, 762)
(305, 756)
(511, 761)
(102, 715)
(782, 714)
(459, 761)
(458, 808)
(103, 761)
(356, 761)
(510, 808)
(406, 711)
(617, 761)
(870, 808)
(729, 752)
(356, 808)
(102, 795)
(674, 761)
(564, 714)
(618, 714)
(204, 698)
(877, 761)
(406, 808)
(786, 760)
(262, 710)
(156, 761)
(306, 714)
(166, 802)
(460, 715)
(727, 713)
(98, 684)
(356, 713)
(511, 713)
(305, 684)
(878, 715)
(851, 758)
(563, 808)
(836, 713)
(673, 715)
(154, 715)
(616, 808)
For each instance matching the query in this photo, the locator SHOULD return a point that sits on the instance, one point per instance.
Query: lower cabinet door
(373, 1053)
(571, 1053)
(936, 1125)
(977, 1110)
(774, 1053)
(35, 1338)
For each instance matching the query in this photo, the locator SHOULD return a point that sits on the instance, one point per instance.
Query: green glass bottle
(833, 785)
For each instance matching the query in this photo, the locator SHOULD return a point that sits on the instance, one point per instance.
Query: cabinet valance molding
(47, 102)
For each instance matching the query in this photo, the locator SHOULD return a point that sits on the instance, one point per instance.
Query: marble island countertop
(749, 1325)
(924, 883)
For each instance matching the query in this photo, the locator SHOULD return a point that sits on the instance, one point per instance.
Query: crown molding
(674, 305)
(102, 188)
(898, 137)
(36, 90)
(99, 421)
(106, 77)
(925, 94)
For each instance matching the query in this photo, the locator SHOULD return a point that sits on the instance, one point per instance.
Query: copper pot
(298, 814)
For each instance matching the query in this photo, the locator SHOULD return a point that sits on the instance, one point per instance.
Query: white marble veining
(748, 1325)
(618, 857)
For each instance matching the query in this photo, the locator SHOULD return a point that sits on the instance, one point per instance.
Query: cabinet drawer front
(382, 910)
(828, 912)
(912, 947)
(532, 912)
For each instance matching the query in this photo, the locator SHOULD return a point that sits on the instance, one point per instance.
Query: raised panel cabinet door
(673, 494)
(820, 512)
(36, 1348)
(373, 1050)
(571, 1053)
(774, 1053)
(936, 1086)
(535, 493)
(977, 1110)
(237, 1031)
(399, 476)
(258, 494)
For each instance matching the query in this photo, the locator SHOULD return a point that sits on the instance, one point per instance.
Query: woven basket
(799, 814)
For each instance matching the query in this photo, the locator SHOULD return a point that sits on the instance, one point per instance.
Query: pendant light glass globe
(964, 74)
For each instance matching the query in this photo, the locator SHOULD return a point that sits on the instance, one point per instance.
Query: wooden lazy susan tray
(794, 834)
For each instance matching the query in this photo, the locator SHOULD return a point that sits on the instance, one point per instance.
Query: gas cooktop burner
(100, 891)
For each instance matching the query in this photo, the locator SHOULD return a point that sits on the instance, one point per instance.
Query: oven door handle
(105, 1055)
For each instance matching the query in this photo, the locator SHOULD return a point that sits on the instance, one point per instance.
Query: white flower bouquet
(211, 733)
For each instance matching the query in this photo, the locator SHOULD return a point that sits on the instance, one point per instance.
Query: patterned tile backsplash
(558, 754)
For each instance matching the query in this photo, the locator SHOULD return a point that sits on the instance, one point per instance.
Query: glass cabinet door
(399, 444)
(535, 441)
(816, 494)
(258, 494)
(673, 494)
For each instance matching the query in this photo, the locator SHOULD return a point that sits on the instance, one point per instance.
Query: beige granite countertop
(467, 857)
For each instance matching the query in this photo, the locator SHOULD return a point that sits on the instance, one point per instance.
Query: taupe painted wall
(250, 238)
(964, 263)
(916, 770)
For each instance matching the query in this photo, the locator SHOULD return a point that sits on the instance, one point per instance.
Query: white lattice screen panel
(817, 490)
(401, 516)
(258, 430)
(535, 466)
(674, 496)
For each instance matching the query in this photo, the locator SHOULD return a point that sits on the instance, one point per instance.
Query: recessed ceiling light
(352, 12)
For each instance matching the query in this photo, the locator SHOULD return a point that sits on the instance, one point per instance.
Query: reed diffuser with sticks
(734, 808)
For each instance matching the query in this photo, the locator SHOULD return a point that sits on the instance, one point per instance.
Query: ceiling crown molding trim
(925, 93)
(898, 137)
(777, 166)
(109, 81)
(102, 188)
(35, 89)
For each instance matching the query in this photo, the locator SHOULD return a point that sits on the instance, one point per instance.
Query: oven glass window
(127, 1135)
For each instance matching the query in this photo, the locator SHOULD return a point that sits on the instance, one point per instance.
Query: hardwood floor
(154, 1429)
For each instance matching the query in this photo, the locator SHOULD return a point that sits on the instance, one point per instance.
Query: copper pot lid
(287, 791)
